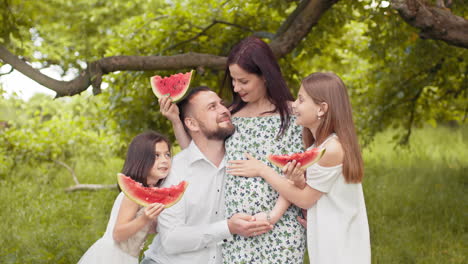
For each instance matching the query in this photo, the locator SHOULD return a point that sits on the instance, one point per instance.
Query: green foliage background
(395, 79)
(403, 90)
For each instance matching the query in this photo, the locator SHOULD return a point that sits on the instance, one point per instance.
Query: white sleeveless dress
(106, 250)
(337, 227)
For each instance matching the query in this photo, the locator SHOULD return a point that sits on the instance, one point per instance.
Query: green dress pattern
(286, 242)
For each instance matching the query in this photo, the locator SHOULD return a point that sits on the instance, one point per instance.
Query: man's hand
(246, 225)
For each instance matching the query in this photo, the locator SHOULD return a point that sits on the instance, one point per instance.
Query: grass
(44, 224)
(416, 199)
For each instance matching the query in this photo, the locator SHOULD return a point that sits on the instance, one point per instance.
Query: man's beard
(220, 134)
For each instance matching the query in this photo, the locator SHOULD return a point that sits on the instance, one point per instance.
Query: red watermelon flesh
(306, 158)
(147, 195)
(175, 85)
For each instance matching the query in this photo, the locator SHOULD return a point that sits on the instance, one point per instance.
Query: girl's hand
(152, 229)
(169, 109)
(246, 168)
(295, 173)
(262, 216)
(152, 211)
(302, 219)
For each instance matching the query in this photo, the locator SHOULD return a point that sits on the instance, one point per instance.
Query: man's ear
(191, 124)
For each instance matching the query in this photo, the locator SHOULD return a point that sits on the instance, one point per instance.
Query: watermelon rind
(322, 152)
(180, 95)
(121, 179)
(282, 160)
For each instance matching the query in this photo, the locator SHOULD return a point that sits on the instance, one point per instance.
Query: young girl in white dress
(337, 227)
(148, 162)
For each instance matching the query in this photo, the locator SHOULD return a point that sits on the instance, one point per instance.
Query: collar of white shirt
(195, 154)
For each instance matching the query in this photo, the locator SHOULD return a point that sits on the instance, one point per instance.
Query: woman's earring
(318, 117)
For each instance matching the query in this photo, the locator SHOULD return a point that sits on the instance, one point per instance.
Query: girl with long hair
(148, 162)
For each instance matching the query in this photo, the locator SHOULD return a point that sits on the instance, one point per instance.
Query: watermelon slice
(175, 85)
(306, 159)
(147, 195)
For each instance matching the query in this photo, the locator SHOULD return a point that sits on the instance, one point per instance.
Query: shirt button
(218, 190)
(216, 212)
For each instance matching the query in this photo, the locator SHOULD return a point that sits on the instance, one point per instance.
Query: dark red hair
(255, 56)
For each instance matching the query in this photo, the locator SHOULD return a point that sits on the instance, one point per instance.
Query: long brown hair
(141, 156)
(329, 88)
(255, 56)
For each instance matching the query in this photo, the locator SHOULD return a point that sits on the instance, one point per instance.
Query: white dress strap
(332, 135)
(113, 217)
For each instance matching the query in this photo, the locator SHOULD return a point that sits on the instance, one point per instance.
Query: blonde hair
(329, 88)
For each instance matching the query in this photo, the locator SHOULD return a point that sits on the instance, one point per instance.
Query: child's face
(162, 163)
(306, 110)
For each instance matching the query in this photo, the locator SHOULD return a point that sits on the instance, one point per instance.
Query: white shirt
(192, 230)
(337, 227)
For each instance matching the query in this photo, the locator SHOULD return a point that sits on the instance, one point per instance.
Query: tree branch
(90, 187)
(72, 172)
(147, 23)
(405, 139)
(93, 74)
(431, 73)
(192, 38)
(290, 19)
(80, 187)
(306, 15)
(62, 88)
(294, 29)
(434, 22)
(261, 34)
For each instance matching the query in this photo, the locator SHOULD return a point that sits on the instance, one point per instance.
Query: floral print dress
(286, 242)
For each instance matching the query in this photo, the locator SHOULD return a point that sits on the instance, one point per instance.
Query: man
(193, 230)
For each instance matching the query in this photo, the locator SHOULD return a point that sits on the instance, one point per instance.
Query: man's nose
(223, 109)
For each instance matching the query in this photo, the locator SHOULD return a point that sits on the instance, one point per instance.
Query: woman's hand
(152, 211)
(246, 168)
(169, 109)
(295, 173)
